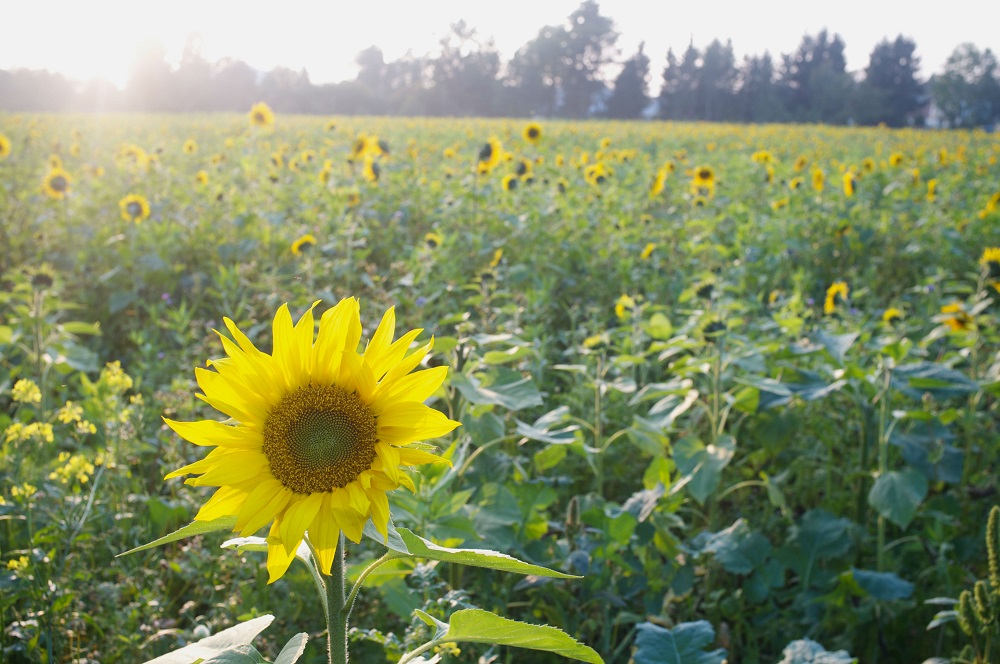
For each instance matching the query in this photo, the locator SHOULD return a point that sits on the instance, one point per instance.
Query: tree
(464, 75)
(715, 91)
(631, 91)
(757, 98)
(679, 95)
(890, 91)
(814, 80)
(968, 92)
(590, 40)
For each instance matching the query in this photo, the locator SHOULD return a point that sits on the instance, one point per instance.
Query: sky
(99, 38)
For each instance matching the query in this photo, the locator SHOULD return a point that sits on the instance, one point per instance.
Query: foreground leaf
(229, 645)
(190, 530)
(421, 548)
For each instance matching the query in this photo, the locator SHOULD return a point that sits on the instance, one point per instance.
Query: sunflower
(891, 316)
(795, 183)
(303, 244)
(819, 179)
(780, 203)
(597, 173)
(190, 147)
(201, 177)
(932, 190)
(533, 133)
(836, 288)
(703, 180)
(990, 260)
(320, 430)
(659, 183)
(509, 182)
(896, 159)
(433, 240)
(56, 183)
(371, 171)
(868, 165)
(850, 184)
(331, 125)
(800, 163)
(134, 208)
(959, 319)
(4, 147)
(489, 155)
(261, 115)
(623, 306)
(647, 251)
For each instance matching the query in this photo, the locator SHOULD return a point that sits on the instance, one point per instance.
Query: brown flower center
(318, 438)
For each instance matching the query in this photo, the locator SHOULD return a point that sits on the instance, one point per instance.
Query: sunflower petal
(419, 420)
(226, 501)
(239, 467)
(413, 387)
(324, 533)
(263, 504)
(409, 456)
(278, 557)
(297, 518)
(335, 326)
(382, 339)
(357, 376)
(401, 364)
(389, 456)
(380, 511)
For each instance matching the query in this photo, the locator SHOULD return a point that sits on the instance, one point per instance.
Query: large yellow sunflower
(318, 431)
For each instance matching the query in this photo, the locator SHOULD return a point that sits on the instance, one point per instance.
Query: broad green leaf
(217, 644)
(702, 465)
(818, 535)
(193, 528)
(684, 644)
(882, 585)
(422, 548)
(478, 626)
(563, 436)
(805, 651)
(513, 394)
(6, 335)
(506, 356)
(837, 345)
(394, 542)
(293, 649)
(549, 457)
(80, 327)
(738, 549)
(937, 380)
(658, 327)
(236, 655)
(897, 494)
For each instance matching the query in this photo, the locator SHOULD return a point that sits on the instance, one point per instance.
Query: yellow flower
(659, 183)
(819, 179)
(597, 173)
(303, 244)
(331, 125)
(960, 320)
(892, 315)
(509, 182)
(371, 170)
(25, 391)
(320, 430)
(497, 257)
(623, 306)
(704, 178)
(896, 159)
(647, 251)
(795, 183)
(261, 115)
(533, 133)
(55, 162)
(849, 184)
(990, 260)
(134, 208)
(201, 177)
(4, 147)
(837, 288)
(932, 190)
(800, 163)
(433, 240)
(489, 155)
(780, 203)
(868, 165)
(190, 147)
(56, 184)
(70, 413)
(762, 157)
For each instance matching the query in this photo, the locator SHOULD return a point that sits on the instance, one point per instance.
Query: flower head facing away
(321, 431)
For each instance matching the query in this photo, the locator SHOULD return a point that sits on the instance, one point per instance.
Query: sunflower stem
(338, 611)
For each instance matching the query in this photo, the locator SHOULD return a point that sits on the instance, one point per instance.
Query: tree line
(564, 71)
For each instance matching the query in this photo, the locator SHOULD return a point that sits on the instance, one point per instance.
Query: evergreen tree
(890, 92)
(968, 92)
(631, 91)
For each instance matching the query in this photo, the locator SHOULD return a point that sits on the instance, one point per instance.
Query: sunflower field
(725, 393)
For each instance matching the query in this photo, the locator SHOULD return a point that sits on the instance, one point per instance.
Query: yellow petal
(413, 387)
(210, 432)
(224, 502)
(389, 457)
(278, 557)
(420, 420)
(392, 360)
(241, 338)
(324, 533)
(357, 376)
(240, 467)
(297, 518)
(409, 456)
(352, 523)
(380, 511)
(263, 504)
(382, 338)
(335, 327)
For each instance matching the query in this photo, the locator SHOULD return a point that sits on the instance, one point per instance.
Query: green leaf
(837, 345)
(236, 655)
(512, 394)
(937, 380)
(293, 649)
(394, 542)
(6, 335)
(737, 549)
(805, 651)
(549, 457)
(422, 548)
(897, 494)
(506, 356)
(882, 585)
(684, 644)
(79, 327)
(700, 465)
(224, 643)
(193, 528)
(658, 327)
(478, 626)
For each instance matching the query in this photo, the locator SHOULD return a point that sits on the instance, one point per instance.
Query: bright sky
(101, 37)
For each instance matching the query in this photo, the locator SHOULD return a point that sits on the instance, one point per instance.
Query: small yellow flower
(4, 147)
(509, 182)
(837, 288)
(891, 316)
(819, 180)
(533, 133)
(659, 183)
(56, 184)
(17, 564)
(190, 147)
(850, 184)
(780, 203)
(134, 208)
(433, 240)
(896, 159)
(648, 251)
(70, 413)
(497, 257)
(303, 244)
(201, 177)
(932, 190)
(624, 306)
(25, 391)
(261, 115)
(959, 320)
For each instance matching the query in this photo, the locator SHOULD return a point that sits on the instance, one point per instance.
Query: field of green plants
(740, 380)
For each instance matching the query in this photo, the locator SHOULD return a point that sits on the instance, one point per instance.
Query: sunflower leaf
(478, 626)
(193, 528)
(394, 542)
(421, 548)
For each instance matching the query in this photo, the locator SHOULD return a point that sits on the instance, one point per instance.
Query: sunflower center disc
(134, 209)
(318, 438)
